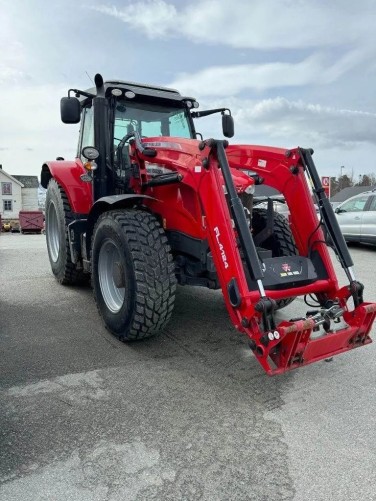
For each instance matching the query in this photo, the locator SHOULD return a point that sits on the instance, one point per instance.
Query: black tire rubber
(281, 242)
(64, 270)
(147, 265)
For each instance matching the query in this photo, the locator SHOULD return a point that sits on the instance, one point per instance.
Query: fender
(102, 205)
(68, 175)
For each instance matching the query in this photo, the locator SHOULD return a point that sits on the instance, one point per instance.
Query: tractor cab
(114, 111)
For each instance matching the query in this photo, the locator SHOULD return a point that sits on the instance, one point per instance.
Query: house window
(7, 205)
(6, 188)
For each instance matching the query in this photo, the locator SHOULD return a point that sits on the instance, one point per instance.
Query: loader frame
(198, 202)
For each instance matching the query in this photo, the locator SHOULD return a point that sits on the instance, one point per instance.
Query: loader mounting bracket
(356, 289)
(267, 307)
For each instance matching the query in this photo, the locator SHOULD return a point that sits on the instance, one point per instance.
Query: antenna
(89, 77)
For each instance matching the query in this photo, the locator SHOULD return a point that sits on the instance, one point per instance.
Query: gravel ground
(189, 415)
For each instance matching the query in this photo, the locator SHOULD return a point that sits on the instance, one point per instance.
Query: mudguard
(68, 175)
(109, 203)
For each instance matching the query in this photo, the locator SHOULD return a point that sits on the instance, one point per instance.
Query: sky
(293, 72)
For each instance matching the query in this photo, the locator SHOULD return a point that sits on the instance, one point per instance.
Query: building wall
(29, 198)
(15, 197)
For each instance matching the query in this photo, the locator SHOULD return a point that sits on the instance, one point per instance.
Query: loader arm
(289, 344)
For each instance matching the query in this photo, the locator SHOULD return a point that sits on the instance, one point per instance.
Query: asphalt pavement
(188, 415)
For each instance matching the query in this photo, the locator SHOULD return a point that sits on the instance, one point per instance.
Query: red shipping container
(31, 221)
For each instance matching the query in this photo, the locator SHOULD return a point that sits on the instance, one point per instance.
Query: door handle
(357, 218)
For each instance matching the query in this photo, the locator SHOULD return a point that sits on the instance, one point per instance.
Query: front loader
(148, 204)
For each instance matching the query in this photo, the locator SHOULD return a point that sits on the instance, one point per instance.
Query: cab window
(87, 131)
(150, 120)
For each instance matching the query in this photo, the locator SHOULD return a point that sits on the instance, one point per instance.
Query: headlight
(250, 189)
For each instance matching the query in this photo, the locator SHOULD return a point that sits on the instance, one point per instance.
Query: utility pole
(340, 178)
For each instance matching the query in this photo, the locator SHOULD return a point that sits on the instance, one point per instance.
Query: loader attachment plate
(296, 343)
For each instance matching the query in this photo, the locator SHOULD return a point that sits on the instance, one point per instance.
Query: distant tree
(345, 181)
(367, 180)
(334, 186)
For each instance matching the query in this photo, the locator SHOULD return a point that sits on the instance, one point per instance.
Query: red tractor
(147, 205)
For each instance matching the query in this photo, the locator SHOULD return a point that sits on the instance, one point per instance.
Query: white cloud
(156, 18)
(283, 123)
(230, 80)
(296, 122)
(12, 54)
(31, 131)
(256, 24)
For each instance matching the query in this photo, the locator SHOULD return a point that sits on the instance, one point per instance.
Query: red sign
(325, 181)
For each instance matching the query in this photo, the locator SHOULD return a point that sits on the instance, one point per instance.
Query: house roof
(28, 181)
(11, 178)
(350, 192)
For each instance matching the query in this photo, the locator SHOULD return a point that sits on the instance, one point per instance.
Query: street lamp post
(340, 178)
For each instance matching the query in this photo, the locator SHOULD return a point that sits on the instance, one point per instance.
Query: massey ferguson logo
(221, 248)
(286, 267)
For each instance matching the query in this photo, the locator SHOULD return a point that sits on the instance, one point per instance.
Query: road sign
(325, 181)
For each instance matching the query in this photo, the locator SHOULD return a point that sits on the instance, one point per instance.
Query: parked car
(357, 218)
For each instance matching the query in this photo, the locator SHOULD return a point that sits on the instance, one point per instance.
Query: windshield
(150, 120)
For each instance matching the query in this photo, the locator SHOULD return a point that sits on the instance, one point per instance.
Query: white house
(29, 191)
(17, 193)
(11, 196)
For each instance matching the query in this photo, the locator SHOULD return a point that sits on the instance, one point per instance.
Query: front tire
(58, 216)
(133, 274)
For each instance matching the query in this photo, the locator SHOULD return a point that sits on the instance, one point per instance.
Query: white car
(357, 218)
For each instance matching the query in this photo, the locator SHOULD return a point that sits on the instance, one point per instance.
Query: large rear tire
(133, 274)
(58, 216)
(281, 242)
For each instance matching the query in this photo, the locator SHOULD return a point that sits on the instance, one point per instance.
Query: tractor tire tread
(281, 243)
(70, 275)
(154, 273)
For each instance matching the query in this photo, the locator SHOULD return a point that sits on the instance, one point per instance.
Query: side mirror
(227, 125)
(70, 110)
(338, 210)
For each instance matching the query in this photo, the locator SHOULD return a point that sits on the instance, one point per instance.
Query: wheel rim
(111, 276)
(53, 234)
